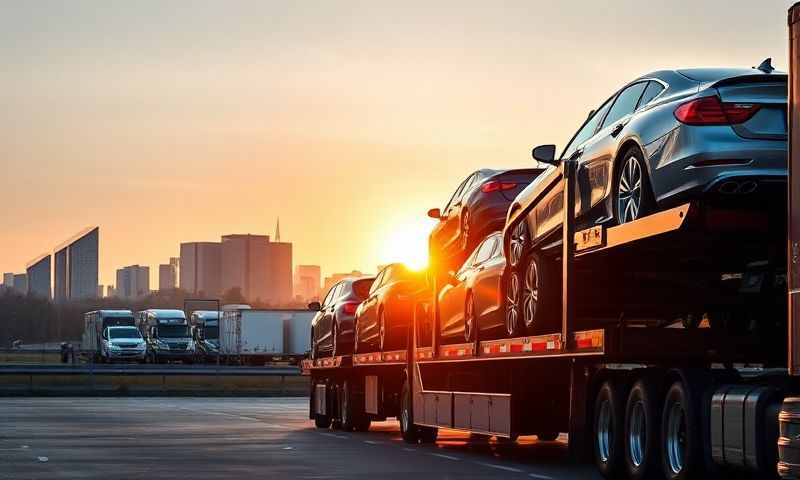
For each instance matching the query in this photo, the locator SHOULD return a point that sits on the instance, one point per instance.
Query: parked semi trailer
(250, 336)
(94, 323)
(638, 398)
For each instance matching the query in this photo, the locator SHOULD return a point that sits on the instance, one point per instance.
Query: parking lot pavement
(225, 438)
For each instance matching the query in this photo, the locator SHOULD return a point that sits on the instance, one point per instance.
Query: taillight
(712, 111)
(495, 186)
(349, 308)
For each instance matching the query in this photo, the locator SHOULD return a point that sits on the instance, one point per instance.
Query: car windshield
(173, 331)
(361, 287)
(128, 332)
(210, 333)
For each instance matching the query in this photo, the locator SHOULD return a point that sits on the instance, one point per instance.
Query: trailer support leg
(579, 420)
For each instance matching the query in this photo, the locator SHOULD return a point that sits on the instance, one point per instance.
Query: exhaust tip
(729, 188)
(747, 187)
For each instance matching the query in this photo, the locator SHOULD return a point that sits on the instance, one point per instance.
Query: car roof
(714, 74)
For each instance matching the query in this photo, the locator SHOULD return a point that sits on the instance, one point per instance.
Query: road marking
(42, 459)
(537, 475)
(372, 442)
(334, 435)
(499, 467)
(441, 455)
(288, 448)
(410, 449)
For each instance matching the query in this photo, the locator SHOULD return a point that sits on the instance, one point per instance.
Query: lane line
(538, 475)
(334, 435)
(441, 455)
(499, 467)
(372, 442)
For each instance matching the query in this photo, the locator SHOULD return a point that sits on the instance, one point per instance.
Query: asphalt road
(242, 438)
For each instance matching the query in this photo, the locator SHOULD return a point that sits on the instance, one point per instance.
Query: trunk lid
(770, 92)
(522, 177)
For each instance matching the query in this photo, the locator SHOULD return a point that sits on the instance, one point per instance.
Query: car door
(327, 317)
(367, 327)
(597, 160)
(451, 301)
(486, 288)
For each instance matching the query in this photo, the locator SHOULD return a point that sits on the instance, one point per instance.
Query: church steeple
(278, 230)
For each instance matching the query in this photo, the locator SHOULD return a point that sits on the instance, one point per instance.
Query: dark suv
(332, 327)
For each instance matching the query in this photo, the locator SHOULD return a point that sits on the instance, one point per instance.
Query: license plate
(589, 238)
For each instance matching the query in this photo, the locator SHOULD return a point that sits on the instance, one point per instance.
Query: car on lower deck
(383, 318)
(471, 306)
(716, 134)
(332, 328)
(478, 207)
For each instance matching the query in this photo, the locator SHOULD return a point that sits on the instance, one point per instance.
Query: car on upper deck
(716, 134)
(333, 326)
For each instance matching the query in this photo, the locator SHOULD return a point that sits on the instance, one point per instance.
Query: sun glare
(407, 242)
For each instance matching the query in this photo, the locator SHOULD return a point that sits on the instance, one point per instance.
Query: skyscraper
(200, 268)
(21, 283)
(38, 271)
(133, 281)
(168, 275)
(307, 282)
(76, 266)
(279, 273)
(245, 260)
(8, 280)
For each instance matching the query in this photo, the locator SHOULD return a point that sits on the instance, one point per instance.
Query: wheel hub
(512, 302)
(604, 432)
(629, 191)
(530, 295)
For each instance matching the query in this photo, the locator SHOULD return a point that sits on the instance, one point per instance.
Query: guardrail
(146, 380)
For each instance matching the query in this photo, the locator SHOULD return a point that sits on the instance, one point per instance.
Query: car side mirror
(315, 306)
(545, 154)
(435, 213)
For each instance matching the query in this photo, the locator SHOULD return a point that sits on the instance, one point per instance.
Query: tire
(518, 244)
(631, 194)
(540, 294)
(334, 339)
(681, 439)
(607, 428)
(381, 331)
(470, 320)
(547, 436)
(347, 412)
(513, 320)
(642, 430)
(412, 433)
(320, 421)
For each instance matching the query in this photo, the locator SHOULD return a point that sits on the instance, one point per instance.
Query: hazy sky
(175, 121)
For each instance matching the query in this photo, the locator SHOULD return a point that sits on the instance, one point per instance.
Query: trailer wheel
(680, 434)
(351, 416)
(320, 421)
(608, 428)
(413, 433)
(642, 420)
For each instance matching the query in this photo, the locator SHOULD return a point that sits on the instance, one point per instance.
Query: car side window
(498, 251)
(456, 195)
(588, 129)
(652, 91)
(486, 250)
(625, 103)
(468, 187)
(329, 297)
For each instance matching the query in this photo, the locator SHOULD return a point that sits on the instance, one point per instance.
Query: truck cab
(167, 335)
(205, 332)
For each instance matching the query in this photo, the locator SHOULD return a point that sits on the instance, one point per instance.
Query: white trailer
(251, 337)
(94, 324)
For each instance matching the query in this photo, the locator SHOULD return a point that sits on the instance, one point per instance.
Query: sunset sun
(407, 242)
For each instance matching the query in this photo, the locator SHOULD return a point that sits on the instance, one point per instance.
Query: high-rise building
(133, 281)
(38, 271)
(168, 275)
(245, 260)
(337, 277)
(76, 266)
(279, 273)
(200, 268)
(21, 283)
(111, 292)
(307, 282)
(101, 290)
(8, 280)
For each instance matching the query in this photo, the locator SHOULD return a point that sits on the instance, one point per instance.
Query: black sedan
(478, 207)
(470, 303)
(332, 329)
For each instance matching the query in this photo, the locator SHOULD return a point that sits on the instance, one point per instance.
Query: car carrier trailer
(636, 398)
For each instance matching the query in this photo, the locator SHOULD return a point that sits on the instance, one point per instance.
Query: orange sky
(175, 122)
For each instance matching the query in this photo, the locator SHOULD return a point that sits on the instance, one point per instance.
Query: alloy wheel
(530, 293)
(629, 191)
(637, 434)
(512, 304)
(469, 319)
(519, 239)
(604, 432)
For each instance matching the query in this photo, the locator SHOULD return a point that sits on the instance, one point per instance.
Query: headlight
(111, 346)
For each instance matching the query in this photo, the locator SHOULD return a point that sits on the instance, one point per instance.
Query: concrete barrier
(116, 382)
